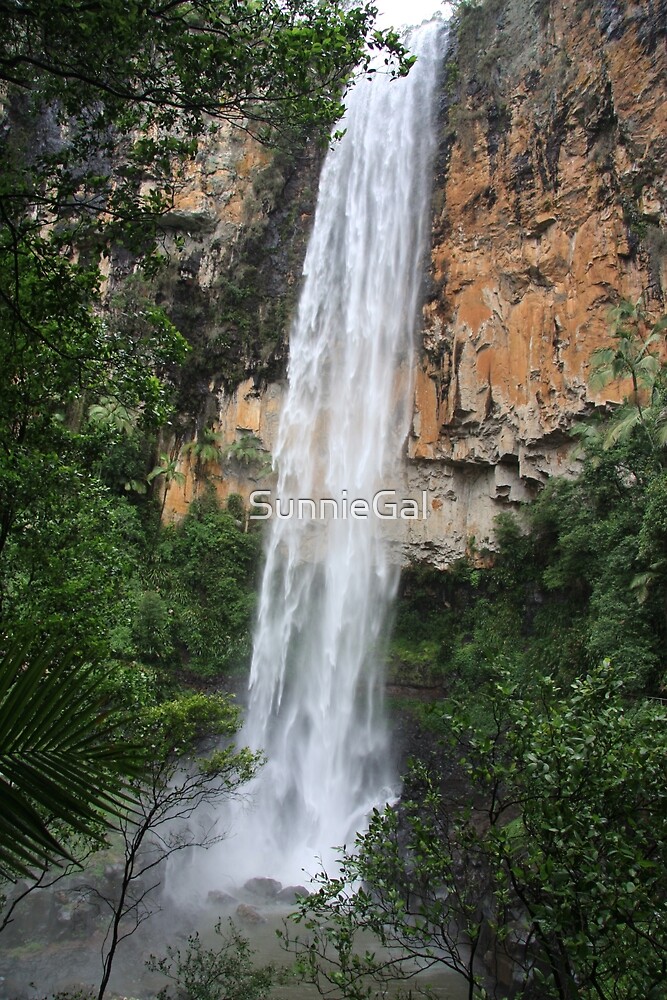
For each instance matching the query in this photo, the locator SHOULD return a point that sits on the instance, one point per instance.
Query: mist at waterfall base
(316, 687)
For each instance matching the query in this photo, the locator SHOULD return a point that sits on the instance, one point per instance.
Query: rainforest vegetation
(538, 826)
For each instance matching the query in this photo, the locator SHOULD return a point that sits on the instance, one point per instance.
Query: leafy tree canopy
(104, 98)
(176, 61)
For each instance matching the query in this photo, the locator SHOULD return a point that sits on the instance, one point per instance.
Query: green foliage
(168, 468)
(206, 448)
(423, 628)
(202, 598)
(556, 844)
(152, 627)
(632, 356)
(450, 627)
(272, 65)
(81, 558)
(587, 859)
(70, 557)
(64, 762)
(226, 971)
(248, 450)
(182, 723)
(131, 686)
(636, 356)
(74, 415)
(109, 412)
(236, 508)
(574, 587)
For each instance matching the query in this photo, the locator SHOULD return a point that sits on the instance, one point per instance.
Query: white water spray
(316, 681)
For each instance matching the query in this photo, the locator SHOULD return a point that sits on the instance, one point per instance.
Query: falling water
(316, 681)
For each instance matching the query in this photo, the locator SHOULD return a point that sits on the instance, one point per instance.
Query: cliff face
(235, 240)
(549, 206)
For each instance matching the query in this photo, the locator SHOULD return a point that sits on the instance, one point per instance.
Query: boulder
(263, 888)
(249, 915)
(291, 894)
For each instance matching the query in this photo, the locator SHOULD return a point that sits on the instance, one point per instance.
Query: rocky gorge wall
(549, 206)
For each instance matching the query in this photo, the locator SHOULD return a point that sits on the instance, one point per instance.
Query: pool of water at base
(31, 969)
(443, 983)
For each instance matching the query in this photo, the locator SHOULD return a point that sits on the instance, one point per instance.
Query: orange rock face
(550, 207)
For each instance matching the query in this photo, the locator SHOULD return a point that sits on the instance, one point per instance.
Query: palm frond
(63, 758)
(602, 372)
(622, 427)
(661, 428)
(624, 310)
(588, 435)
(641, 583)
(647, 370)
(168, 468)
(208, 452)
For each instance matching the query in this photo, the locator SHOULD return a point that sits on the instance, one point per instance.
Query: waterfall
(315, 703)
